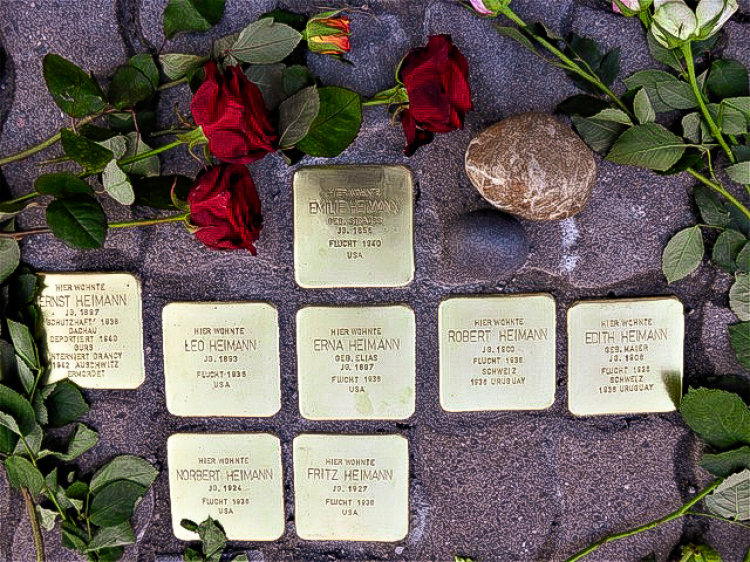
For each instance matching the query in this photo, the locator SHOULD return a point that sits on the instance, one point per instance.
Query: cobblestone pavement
(504, 487)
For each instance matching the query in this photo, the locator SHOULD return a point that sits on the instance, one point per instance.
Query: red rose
(231, 111)
(225, 207)
(436, 78)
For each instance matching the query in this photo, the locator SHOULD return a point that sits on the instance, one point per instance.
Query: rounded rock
(533, 166)
(487, 244)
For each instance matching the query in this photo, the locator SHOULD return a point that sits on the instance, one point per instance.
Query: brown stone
(533, 166)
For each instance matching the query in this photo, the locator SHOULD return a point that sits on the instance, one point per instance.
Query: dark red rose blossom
(436, 78)
(225, 207)
(231, 111)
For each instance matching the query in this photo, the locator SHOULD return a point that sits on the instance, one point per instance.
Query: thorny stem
(124, 224)
(718, 188)
(47, 143)
(570, 64)
(35, 528)
(682, 511)
(687, 51)
(55, 138)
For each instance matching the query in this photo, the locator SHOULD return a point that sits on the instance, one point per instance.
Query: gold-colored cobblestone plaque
(94, 329)
(625, 356)
(497, 352)
(353, 226)
(221, 359)
(235, 478)
(356, 362)
(351, 487)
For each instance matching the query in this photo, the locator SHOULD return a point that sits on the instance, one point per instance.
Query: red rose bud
(231, 111)
(225, 208)
(436, 78)
(328, 33)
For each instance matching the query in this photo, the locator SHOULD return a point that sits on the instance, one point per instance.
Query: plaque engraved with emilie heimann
(353, 226)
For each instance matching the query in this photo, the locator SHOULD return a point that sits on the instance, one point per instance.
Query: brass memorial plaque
(351, 487)
(221, 359)
(235, 478)
(353, 226)
(356, 362)
(625, 356)
(94, 329)
(497, 352)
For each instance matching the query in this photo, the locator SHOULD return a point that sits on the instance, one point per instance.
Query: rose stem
(687, 52)
(682, 511)
(55, 138)
(35, 528)
(124, 224)
(572, 66)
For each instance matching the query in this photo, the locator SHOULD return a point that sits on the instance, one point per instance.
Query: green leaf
(65, 404)
(129, 87)
(731, 499)
(613, 116)
(73, 537)
(719, 417)
(16, 409)
(33, 441)
(677, 95)
(117, 184)
(112, 537)
(92, 156)
(146, 167)
(514, 34)
(691, 127)
(75, 92)
(23, 342)
(739, 173)
(739, 337)
(727, 248)
(191, 526)
(730, 120)
(691, 159)
(728, 79)
(739, 297)
(115, 502)
(83, 439)
(157, 191)
(296, 115)
(296, 77)
(23, 474)
(9, 210)
(650, 80)
(741, 152)
(462, 559)
(336, 125)
(729, 462)
(61, 184)
(699, 553)
(26, 376)
(212, 536)
(125, 467)
(743, 259)
(683, 254)
(47, 517)
(176, 66)
(134, 82)
(647, 146)
(193, 555)
(191, 15)
(644, 111)
(270, 81)
(669, 57)
(712, 209)
(117, 144)
(609, 67)
(78, 220)
(10, 257)
(240, 558)
(581, 104)
(265, 42)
